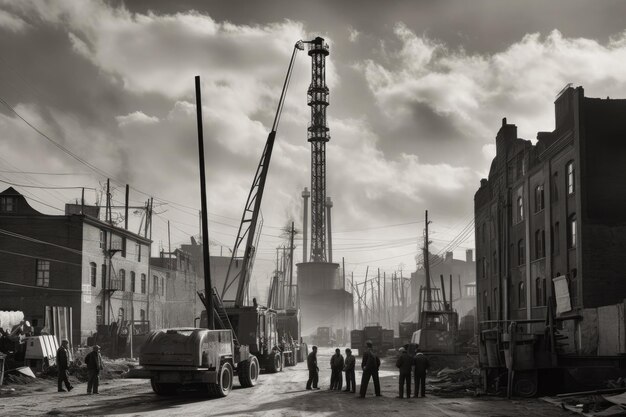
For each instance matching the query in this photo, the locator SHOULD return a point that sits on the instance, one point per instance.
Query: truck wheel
(161, 388)
(248, 372)
(274, 363)
(224, 382)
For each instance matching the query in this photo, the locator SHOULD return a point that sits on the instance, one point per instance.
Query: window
(132, 281)
(104, 276)
(123, 246)
(43, 273)
(103, 239)
(520, 209)
(571, 231)
(521, 252)
(522, 295)
(143, 283)
(484, 262)
(521, 165)
(494, 263)
(93, 271)
(99, 315)
(142, 315)
(495, 301)
(539, 202)
(162, 286)
(470, 290)
(540, 240)
(555, 187)
(540, 291)
(123, 280)
(138, 251)
(155, 284)
(8, 204)
(120, 314)
(571, 186)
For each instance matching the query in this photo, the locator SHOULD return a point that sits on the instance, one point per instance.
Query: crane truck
(238, 339)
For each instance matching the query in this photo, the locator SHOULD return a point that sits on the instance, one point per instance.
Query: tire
(161, 388)
(274, 363)
(225, 382)
(249, 372)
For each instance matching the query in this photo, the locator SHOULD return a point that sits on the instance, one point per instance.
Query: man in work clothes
(63, 363)
(311, 363)
(421, 365)
(348, 368)
(94, 366)
(404, 363)
(370, 365)
(336, 366)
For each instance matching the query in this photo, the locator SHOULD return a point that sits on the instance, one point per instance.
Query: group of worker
(370, 365)
(93, 360)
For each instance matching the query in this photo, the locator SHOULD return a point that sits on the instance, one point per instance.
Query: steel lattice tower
(318, 136)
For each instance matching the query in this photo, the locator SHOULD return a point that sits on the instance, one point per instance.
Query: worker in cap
(421, 366)
(404, 364)
(94, 366)
(63, 362)
(336, 366)
(370, 365)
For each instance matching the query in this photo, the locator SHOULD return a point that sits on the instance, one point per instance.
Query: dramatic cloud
(412, 118)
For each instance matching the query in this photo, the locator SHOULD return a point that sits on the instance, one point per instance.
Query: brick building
(555, 212)
(77, 261)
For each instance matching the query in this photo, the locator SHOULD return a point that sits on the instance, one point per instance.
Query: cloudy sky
(417, 90)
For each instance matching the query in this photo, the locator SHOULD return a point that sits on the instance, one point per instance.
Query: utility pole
(208, 288)
(385, 316)
(379, 310)
(126, 208)
(107, 212)
(169, 247)
(429, 300)
(291, 248)
(352, 286)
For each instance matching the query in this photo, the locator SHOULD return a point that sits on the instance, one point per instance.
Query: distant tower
(318, 136)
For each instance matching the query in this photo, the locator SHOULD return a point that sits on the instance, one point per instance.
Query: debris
(25, 370)
(462, 380)
(596, 392)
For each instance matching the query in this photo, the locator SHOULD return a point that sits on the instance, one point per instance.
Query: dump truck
(202, 358)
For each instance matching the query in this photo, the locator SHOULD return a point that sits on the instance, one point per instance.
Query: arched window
(571, 231)
(522, 295)
(132, 281)
(142, 315)
(99, 315)
(122, 280)
(520, 209)
(143, 283)
(540, 292)
(521, 252)
(93, 271)
(571, 182)
(155, 284)
(539, 202)
(540, 239)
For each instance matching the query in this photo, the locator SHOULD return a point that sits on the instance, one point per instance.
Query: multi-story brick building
(77, 261)
(555, 211)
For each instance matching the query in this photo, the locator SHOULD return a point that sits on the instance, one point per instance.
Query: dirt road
(280, 394)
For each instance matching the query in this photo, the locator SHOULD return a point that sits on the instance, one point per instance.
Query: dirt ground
(281, 394)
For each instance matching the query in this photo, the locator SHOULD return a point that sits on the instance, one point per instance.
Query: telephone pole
(429, 300)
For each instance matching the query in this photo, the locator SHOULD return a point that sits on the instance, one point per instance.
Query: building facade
(77, 261)
(551, 219)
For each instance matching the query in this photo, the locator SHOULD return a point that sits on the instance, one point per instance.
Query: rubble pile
(455, 381)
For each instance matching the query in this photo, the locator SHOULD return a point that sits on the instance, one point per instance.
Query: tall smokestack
(305, 223)
(329, 205)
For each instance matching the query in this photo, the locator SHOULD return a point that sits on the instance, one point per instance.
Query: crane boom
(249, 219)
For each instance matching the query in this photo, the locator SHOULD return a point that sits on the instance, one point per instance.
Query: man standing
(349, 370)
(311, 362)
(404, 363)
(370, 365)
(421, 365)
(63, 362)
(336, 366)
(94, 366)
